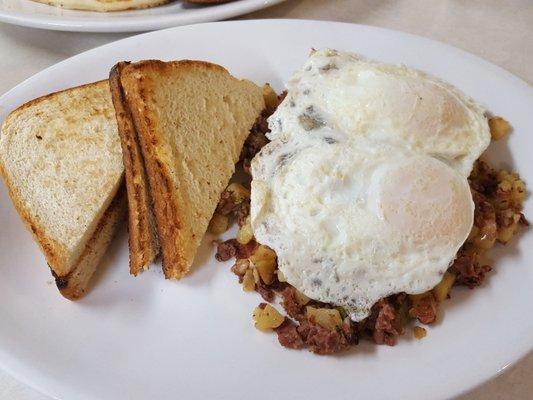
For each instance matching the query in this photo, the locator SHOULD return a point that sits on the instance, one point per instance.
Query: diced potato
(506, 232)
(421, 298)
(240, 266)
(218, 224)
(267, 318)
(473, 233)
(301, 298)
(419, 332)
(519, 190)
(281, 277)
(245, 234)
(257, 278)
(499, 128)
(238, 192)
(416, 298)
(248, 281)
(264, 260)
(441, 291)
(270, 96)
(325, 317)
(485, 239)
(512, 188)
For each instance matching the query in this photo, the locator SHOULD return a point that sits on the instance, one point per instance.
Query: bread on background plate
(186, 123)
(208, 1)
(103, 5)
(117, 5)
(61, 160)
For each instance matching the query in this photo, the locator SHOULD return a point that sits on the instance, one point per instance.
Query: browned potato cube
(270, 96)
(219, 224)
(441, 291)
(264, 259)
(238, 192)
(267, 318)
(506, 232)
(281, 277)
(240, 266)
(419, 332)
(257, 278)
(245, 234)
(325, 317)
(499, 128)
(248, 281)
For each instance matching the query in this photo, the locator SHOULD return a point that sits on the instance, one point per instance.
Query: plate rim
(522, 352)
(134, 24)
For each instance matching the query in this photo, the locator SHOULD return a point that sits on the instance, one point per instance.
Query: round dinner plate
(148, 338)
(176, 13)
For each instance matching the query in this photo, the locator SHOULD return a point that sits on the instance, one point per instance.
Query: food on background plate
(61, 161)
(208, 1)
(184, 123)
(103, 5)
(368, 203)
(118, 5)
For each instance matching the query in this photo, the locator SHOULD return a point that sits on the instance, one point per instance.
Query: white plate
(144, 338)
(176, 13)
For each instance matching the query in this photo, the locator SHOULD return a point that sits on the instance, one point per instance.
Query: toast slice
(142, 239)
(61, 160)
(191, 119)
(75, 284)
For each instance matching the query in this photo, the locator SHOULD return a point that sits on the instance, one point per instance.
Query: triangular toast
(191, 119)
(61, 160)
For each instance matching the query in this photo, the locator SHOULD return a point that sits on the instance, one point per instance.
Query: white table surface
(497, 30)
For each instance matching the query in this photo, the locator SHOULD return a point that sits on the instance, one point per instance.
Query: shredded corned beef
(320, 340)
(288, 335)
(424, 310)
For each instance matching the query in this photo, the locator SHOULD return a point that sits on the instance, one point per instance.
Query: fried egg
(362, 191)
(385, 102)
(354, 221)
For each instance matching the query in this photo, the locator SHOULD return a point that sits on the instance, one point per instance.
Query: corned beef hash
(367, 202)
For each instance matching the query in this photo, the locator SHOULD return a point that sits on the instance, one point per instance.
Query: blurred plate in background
(175, 13)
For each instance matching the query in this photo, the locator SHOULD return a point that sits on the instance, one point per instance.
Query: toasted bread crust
(142, 239)
(74, 260)
(53, 94)
(75, 284)
(53, 251)
(164, 204)
(178, 241)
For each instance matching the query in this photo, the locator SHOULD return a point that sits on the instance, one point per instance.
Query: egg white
(353, 221)
(363, 191)
(385, 102)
